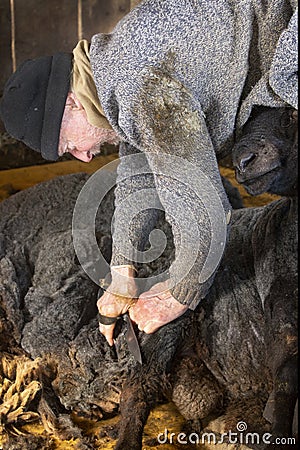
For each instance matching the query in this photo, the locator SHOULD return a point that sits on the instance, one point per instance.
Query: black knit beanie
(33, 102)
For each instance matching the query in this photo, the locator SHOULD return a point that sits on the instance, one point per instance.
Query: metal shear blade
(131, 339)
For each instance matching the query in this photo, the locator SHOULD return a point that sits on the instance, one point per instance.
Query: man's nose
(82, 156)
(244, 160)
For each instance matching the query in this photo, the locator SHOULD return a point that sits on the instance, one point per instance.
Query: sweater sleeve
(134, 219)
(284, 67)
(170, 131)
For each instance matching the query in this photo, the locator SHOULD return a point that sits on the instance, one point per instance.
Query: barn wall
(32, 28)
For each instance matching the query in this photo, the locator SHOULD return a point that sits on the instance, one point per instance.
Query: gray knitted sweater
(177, 78)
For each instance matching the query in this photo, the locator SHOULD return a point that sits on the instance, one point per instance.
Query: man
(174, 79)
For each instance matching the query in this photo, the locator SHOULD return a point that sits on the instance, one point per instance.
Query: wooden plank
(100, 16)
(22, 178)
(44, 27)
(14, 180)
(5, 46)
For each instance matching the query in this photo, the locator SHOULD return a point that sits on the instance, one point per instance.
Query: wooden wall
(31, 28)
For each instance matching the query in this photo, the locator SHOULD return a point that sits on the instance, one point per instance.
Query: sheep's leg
(148, 383)
(281, 405)
(141, 393)
(285, 397)
(282, 329)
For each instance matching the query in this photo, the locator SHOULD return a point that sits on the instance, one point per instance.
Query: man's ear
(72, 102)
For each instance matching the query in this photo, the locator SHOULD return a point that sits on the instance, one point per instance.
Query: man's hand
(119, 296)
(156, 308)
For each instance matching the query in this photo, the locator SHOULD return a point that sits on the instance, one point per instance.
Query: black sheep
(48, 308)
(193, 360)
(265, 157)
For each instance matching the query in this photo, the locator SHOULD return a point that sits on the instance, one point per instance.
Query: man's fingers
(108, 333)
(132, 314)
(151, 313)
(151, 327)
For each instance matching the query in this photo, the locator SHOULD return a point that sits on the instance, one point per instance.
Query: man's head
(77, 136)
(33, 102)
(39, 108)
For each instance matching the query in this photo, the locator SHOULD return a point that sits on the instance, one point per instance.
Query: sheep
(265, 155)
(46, 299)
(43, 300)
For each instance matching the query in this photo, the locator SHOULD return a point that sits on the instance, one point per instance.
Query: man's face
(78, 136)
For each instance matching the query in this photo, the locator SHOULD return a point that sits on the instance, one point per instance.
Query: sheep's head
(266, 156)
